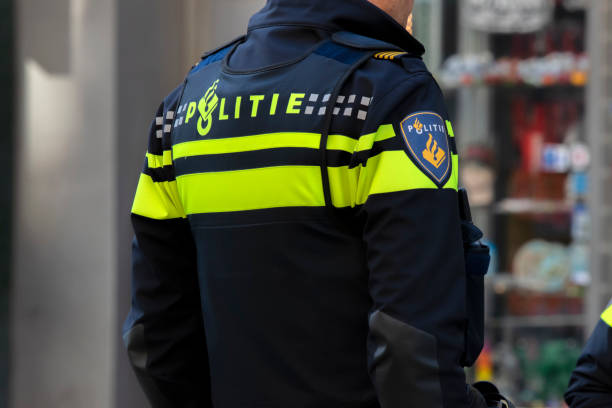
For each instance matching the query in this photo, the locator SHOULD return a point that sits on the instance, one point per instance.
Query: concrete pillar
(598, 125)
(91, 74)
(63, 308)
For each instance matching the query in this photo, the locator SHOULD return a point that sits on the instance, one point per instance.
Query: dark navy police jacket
(591, 382)
(298, 239)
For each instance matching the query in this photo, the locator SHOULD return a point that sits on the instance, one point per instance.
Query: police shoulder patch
(426, 138)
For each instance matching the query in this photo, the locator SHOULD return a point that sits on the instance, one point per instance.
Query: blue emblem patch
(426, 136)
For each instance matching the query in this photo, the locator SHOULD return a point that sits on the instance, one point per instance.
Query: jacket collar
(357, 16)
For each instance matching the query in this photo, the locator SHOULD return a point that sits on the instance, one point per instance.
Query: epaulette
(215, 54)
(361, 42)
(226, 45)
(410, 62)
(387, 51)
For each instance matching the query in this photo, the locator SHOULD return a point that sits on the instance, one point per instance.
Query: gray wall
(598, 124)
(91, 74)
(63, 305)
(153, 60)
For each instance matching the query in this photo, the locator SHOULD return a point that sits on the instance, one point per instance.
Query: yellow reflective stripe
(343, 185)
(156, 161)
(246, 144)
(365, 142)
(340, 142)
(273, 141)
(449, 127)
(387, 172)
(253, 189)
(390, 172)
(158, 201)
(453, 181)
(606, 316)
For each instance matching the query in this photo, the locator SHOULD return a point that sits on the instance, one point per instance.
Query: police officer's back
(299, 198)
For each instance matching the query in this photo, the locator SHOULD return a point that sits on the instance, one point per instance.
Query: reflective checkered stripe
(157, 194)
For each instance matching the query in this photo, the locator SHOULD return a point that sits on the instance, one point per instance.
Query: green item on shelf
(546, 368)
(557, 360)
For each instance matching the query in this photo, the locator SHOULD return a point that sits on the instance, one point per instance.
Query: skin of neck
(400, 10)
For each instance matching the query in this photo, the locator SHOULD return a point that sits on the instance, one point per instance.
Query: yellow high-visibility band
(158, 201)
(606, 316)
(387, 172)
(278, 140)
(253, 189)
(343, 185)
(390, 172)
(449, 127)
(156, 161)
(340, 142)
(246, 144)
(453, 181)
(365, 142)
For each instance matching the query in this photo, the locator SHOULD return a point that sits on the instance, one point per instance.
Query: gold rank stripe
(389, 55)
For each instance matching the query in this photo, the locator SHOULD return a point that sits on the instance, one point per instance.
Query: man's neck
(399, 10)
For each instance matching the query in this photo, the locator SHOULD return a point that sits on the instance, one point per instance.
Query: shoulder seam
(351, 40)
(215, 50)
(397, 86)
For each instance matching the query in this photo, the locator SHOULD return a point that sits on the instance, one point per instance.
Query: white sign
(575, 4)
(508, 16)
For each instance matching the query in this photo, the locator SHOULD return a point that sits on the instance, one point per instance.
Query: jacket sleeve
(590, 385)
(164, 332)
(407, 193)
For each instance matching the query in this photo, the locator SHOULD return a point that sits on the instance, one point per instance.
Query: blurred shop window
(427, 28)
(528, 173)
(502, 16)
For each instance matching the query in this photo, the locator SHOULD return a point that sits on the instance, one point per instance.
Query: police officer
(591, 382)
(298, 239)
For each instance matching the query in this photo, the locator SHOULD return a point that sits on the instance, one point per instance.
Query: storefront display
(527, 172)
(505, 16)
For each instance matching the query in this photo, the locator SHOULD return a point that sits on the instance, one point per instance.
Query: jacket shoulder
(361, 42)
(216, 54)
(392, 55)
(224, 46)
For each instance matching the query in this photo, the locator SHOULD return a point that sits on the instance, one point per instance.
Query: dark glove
(491, 396)
(475, 398)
